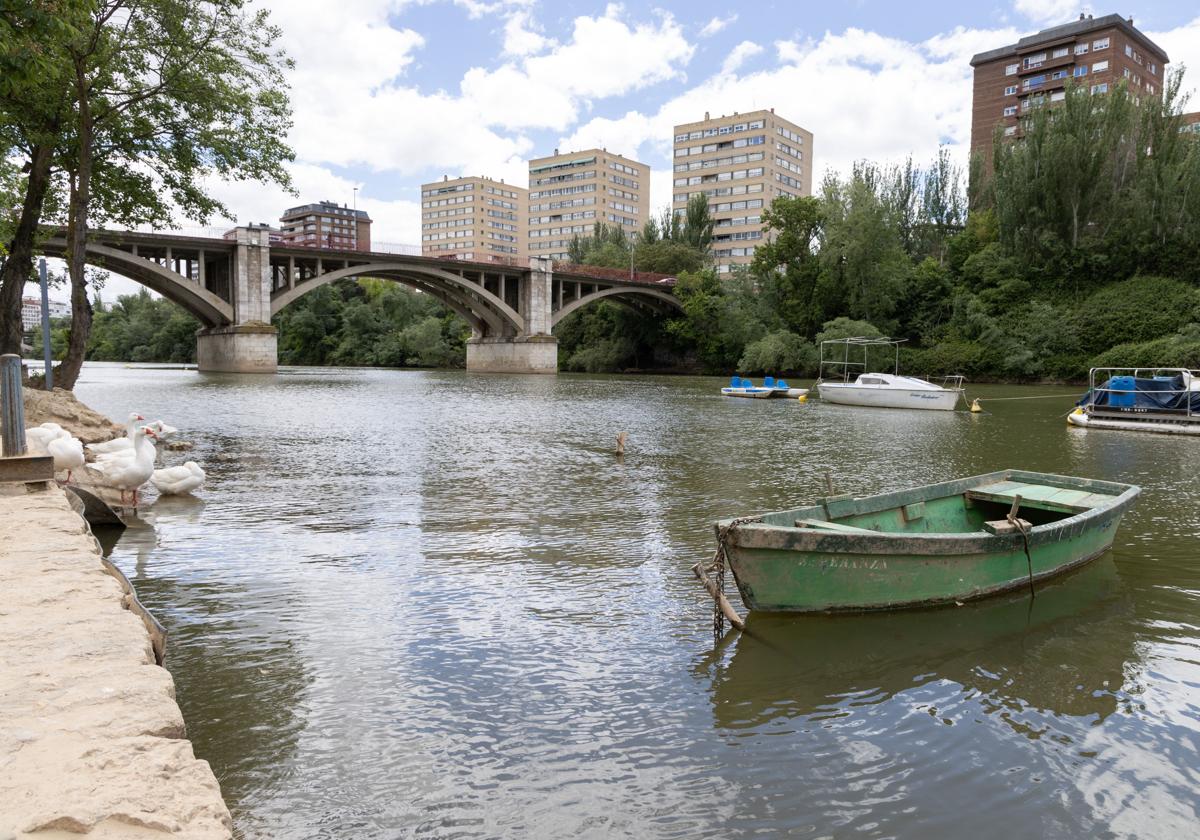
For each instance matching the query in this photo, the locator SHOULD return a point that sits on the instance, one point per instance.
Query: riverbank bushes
(370, 322)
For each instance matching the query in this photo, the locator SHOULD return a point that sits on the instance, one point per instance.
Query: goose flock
(124, 463)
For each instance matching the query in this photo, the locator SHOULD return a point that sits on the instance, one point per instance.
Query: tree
(787, 266)
(864, 264)
(166, 95)
(33, 109)
(697, 224)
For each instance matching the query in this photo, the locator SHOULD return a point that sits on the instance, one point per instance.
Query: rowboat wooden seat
(821, 524)
(1004, 528)
(1039, 496)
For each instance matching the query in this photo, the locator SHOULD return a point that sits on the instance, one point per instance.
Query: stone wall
(91, 739)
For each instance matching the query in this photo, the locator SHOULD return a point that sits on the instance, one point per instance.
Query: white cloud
(716, 25)
(738, 56)
(356, 105)
(1182, 45)
(1049, 12)
(520, 38)
(879, 98)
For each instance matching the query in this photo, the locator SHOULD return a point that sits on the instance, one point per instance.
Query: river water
(434, 604)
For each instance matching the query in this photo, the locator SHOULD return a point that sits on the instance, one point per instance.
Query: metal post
(46, 327)
(12, 408)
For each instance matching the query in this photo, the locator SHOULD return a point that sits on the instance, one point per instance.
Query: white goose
(118, 444)
(37, 438)
(132, 472)
(163, 430)
(173, 481)
(67, 452)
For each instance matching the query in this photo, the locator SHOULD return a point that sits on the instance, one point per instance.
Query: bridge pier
(250, 343)
(524, 354)
(247, 348)
(536, 349)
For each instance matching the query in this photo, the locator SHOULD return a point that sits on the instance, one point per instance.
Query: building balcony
(1046, 66)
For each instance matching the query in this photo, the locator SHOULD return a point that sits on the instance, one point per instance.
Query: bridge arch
(487, 314)
(621, 294)
(209, 309)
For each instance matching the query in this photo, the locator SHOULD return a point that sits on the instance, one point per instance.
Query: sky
(390, 94)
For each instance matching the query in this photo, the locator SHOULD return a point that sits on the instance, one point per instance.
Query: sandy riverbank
(91, 739)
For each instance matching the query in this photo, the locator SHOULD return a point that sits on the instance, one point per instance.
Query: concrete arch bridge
(233, 285)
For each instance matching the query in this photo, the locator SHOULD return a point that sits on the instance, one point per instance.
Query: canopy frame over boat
(937, 544)
(1165, 400)
(880, 390)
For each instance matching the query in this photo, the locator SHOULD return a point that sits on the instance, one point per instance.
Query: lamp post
(633, 240)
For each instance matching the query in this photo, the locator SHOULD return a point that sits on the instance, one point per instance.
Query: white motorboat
(879, 390)
(885, 390)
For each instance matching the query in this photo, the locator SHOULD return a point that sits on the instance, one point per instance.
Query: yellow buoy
(802, 398)
(975, 406)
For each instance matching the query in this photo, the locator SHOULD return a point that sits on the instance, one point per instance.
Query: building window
(1058, 74)
(1062, 51)
(1100, 44)
(1010, 111)
(1101, 88)
(1099, 66)
(1153, 69)
(1081, 70)
(1011, 90)
(1081, 49)
(1058, 96)
(1010, 131)
(1128, 51)
(1011, 70)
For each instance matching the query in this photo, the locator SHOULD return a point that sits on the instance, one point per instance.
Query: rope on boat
(1020, 526)
(1038, 397)
(722, 609)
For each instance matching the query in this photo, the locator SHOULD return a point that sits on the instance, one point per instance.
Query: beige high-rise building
(473, 218)
(570, 193)
(742, 163)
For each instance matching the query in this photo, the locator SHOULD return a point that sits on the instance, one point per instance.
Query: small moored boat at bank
(1163, 400)
(879, 390)
(937, 544)
(739, 387)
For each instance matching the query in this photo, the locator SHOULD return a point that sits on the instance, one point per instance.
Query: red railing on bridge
(617, 275)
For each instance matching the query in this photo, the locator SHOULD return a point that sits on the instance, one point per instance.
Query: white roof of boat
(891, 380)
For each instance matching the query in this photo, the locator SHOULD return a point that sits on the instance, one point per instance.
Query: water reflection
(1011, 653)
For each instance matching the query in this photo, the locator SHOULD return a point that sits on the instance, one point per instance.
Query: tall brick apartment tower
(1097, 53)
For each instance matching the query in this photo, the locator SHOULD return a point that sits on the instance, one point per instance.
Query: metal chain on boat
(717, 569)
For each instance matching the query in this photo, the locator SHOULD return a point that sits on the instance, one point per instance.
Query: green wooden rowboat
(925, 546)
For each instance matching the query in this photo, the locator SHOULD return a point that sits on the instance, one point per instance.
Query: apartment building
(473, 218)
(569, 193)
(31, 312)
(1191, 123)
(325, 224)
(1097, 53)
(742, 163)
